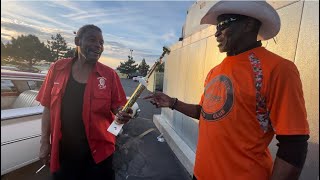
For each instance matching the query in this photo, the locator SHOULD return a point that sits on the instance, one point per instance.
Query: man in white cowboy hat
(251, 96)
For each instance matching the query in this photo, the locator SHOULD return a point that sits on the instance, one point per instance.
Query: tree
(26, 51)
(143, 67)
(4, 54)
(3, 51)
(58, 47)
(128, 67)
(5, 58)
(70, 53)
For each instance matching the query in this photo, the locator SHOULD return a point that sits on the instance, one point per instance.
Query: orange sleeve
(44, 95)
(285, 101)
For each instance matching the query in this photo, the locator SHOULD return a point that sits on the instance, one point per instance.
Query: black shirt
(74, 145)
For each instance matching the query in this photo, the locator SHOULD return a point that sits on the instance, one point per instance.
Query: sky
(143, 26)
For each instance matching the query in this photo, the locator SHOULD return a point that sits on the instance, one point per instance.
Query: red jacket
(103, 92)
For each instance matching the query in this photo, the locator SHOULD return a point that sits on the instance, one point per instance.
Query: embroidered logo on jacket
(102, 82)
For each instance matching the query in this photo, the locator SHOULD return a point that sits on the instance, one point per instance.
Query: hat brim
(260, 10)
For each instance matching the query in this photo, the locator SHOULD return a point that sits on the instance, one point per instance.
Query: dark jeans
(85, 170)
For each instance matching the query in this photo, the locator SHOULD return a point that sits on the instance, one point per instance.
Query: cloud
(5, 37)
(26, 11)
(71, 6)
(19, 29)
(93, 14)
(111, 62)
(169, 36)
(14, 28)
(142, 26)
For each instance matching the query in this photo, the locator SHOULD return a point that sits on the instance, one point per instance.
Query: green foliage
(26, 51)
(70, 53)
(128, 67)
(143, 67)
(58, 47)
(3, 51)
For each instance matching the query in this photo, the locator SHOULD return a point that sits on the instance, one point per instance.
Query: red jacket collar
(67, 63)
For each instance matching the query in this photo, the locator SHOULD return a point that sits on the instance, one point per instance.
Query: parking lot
(146, 157)
(139, 155)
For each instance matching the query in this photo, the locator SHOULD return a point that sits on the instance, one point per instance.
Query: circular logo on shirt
(102, 82)
(218, 98)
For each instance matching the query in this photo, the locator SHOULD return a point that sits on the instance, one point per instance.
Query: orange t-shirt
(247, 99)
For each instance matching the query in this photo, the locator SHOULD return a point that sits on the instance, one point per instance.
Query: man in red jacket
(81, 97)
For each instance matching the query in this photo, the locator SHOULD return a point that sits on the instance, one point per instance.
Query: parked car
(21, 119)
(137, 78)
(132, 75)
(9, 68)
(22, 68)
(28, 69)
(44, 72)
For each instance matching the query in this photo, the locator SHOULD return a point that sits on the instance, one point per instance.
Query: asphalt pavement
(139, 155)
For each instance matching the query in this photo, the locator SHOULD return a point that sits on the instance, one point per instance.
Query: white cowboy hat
(259, 10)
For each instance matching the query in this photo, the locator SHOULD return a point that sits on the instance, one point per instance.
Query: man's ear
(250, 25)
(77, 41)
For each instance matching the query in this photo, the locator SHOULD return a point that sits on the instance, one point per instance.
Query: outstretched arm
(160, 99)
